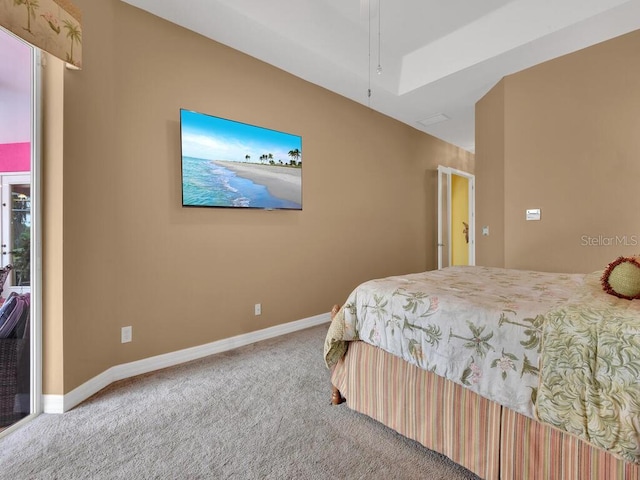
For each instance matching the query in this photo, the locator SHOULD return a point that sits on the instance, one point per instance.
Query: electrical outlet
(258, 309)
(126, 334)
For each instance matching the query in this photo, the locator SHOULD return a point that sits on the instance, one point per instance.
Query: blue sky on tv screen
(214, 138)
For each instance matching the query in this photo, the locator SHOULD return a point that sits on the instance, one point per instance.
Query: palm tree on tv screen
(295, 155)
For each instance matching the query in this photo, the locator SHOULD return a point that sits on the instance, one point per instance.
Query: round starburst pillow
(622, 278)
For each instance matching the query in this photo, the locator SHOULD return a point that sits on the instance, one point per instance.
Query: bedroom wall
(571, 148)
(184, 277)
(52, 225)
(490, 174)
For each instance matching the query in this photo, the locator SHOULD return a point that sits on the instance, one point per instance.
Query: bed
(512, 374)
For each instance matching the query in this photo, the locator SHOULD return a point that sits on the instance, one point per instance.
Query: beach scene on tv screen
(232, 164)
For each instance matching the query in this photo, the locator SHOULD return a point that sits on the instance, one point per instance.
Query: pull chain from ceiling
(379, 68)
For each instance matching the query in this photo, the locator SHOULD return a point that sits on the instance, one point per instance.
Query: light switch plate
(533, 214)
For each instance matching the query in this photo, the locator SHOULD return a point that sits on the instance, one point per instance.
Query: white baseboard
(64, 403)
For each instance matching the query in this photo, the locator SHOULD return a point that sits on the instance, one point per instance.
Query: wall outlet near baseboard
(258, 309)
(126, 334)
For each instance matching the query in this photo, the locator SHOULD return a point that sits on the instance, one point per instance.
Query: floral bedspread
(590, 371)
(478, 326)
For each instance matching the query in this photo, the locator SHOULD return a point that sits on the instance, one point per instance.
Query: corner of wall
(52, 242)
(490, 187)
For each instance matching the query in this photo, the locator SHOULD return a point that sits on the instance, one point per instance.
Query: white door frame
(36, 234)
(444, 245)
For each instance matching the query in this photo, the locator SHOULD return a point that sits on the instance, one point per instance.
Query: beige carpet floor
(257, 412)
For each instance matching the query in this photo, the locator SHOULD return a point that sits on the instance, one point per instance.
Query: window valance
(52, 25)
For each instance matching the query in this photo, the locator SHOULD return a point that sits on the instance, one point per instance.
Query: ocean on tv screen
(208, 183)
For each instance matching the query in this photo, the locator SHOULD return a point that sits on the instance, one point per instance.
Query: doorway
(20, 326)
(456, 217)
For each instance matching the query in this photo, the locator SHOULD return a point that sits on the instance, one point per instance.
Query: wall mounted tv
(232, 164)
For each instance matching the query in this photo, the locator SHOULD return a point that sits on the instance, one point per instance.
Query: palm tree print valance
(52, 25)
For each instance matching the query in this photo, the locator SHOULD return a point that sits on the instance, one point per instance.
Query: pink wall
(15, 157)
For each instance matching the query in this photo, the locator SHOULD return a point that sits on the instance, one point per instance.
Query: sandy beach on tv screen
(282, 182)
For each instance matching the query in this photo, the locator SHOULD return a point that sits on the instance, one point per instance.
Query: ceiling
(438, 57)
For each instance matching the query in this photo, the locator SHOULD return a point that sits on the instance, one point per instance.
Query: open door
(456, 217)
(20, 246)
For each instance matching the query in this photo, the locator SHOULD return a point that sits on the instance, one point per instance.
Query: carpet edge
(62, 403)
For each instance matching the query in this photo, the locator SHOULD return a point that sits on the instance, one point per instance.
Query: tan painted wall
(571, 148)
(52, 190)
(490, 174)
(184, 277)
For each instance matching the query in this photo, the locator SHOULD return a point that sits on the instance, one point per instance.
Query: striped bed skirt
(492, 441)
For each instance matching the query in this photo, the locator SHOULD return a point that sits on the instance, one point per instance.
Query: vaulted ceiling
(437, 58)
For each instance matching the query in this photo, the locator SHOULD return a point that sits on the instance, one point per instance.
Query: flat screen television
(230, 164)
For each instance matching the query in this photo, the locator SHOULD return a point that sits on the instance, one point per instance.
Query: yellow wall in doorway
(459, 214)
